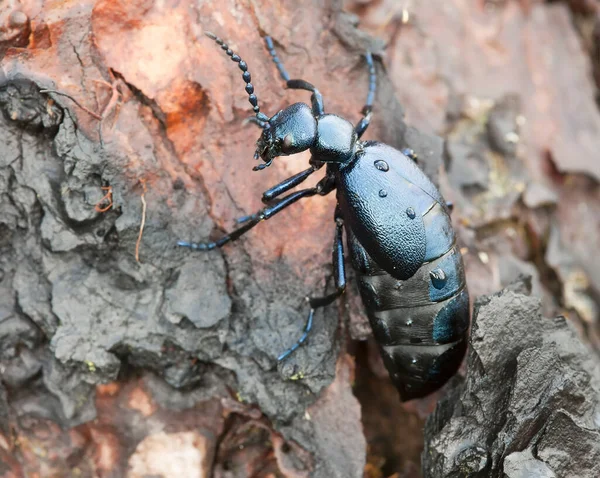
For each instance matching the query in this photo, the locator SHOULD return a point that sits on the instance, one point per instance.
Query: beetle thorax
(335, 141)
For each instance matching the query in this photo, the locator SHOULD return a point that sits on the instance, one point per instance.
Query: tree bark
(122, 131)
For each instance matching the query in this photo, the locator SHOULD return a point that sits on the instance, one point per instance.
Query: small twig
(139, 239)
(115, 94)
(107, 197)
(113, 102)
(88, 111)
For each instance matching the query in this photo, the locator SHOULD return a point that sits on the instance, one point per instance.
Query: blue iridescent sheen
(451, 266)
(452, 320)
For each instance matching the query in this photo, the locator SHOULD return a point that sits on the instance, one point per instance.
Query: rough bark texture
(173, 353)
(542, 421)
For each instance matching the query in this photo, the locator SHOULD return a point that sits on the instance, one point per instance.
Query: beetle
(398, 231)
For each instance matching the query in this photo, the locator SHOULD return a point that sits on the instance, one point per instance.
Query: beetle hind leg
(248, 222)
(301, 340)
(339, 271)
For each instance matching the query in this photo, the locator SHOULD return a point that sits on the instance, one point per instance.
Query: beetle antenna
(261, 117)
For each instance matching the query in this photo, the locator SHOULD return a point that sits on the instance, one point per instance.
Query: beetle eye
(288, 143)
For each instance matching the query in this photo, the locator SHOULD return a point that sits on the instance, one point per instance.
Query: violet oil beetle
(397, 226)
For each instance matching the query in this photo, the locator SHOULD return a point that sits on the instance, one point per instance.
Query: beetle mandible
(398, 232)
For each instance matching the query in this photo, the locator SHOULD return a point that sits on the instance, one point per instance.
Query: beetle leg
(363, 124)
(316, 97)
(282, 187)
(339, 269)
(340, 286)
(288, 183)
(251, 221)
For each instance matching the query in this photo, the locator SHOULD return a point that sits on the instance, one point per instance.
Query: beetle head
(289, 131)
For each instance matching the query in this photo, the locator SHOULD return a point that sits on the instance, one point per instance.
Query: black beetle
(398, 230)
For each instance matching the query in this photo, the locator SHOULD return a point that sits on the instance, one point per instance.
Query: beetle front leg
(316, 97)
(339, 270)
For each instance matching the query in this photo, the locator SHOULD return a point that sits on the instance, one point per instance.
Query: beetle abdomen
(420, 323)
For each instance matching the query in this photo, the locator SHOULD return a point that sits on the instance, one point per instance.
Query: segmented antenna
(261, 117)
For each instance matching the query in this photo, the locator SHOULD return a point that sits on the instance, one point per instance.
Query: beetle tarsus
(198, 246)
(301, 340)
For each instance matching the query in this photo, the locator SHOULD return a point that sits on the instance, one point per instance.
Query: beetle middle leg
(282, 187)
(285, 186)
(289, 183)
(323, 187)
(251, 221)
(339, 270)
(316, 97)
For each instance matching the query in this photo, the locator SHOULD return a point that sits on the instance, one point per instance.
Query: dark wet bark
(542, 421)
